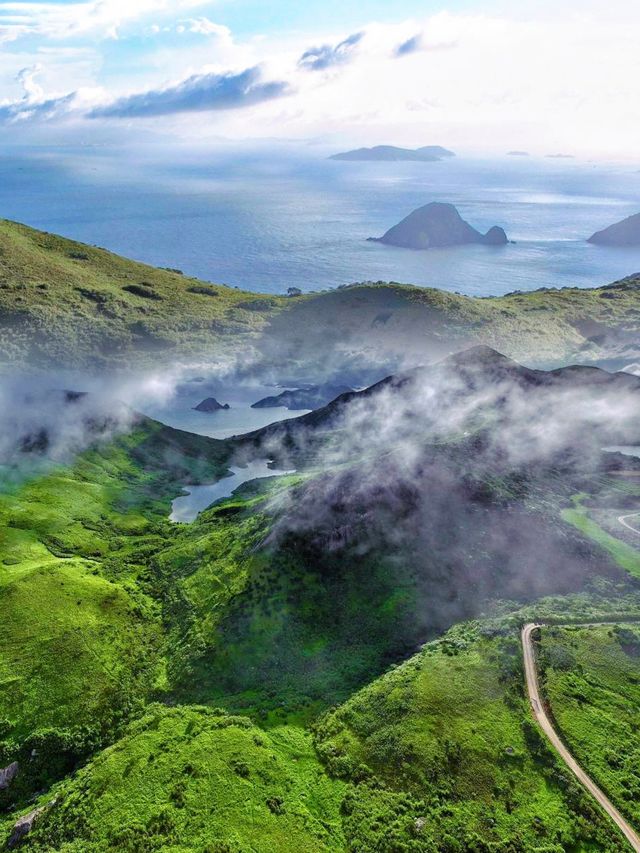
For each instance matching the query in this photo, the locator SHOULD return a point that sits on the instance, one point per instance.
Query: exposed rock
(8, 774)
(24, 825)
(625, 233)
(437, 225)
(495, 236)
(211, 405)
(303, 398)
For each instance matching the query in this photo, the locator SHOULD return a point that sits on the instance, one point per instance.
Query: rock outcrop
(438, 225)
(8, 774)
(24, 825)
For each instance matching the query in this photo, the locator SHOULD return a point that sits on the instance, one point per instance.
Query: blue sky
(536, 74)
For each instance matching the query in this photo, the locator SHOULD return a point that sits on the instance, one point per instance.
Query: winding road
(623, 520)
(537, 705)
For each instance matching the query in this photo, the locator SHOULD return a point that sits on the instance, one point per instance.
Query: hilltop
(66, 304)
(81, 305)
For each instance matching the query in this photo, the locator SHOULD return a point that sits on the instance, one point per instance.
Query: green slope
(82, 643)
(437, 755)
(188, 779)
(80, 306)
(109, 609)
(443, 756)
(83, 306)
(592, 683)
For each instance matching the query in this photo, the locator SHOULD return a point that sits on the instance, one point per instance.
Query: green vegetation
(625, 555)
(130, 647)
(188, 779)
(79, 305)
(83, 306)
(591, 678)
(443, 756)
(595, 513)
(81, 647)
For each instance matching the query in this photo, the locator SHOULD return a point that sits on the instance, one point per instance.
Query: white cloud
(27, 79)
(536, 78)
(204, 27)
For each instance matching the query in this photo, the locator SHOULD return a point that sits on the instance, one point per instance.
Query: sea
(274, 216)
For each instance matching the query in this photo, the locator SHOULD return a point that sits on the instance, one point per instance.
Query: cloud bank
(199, 93)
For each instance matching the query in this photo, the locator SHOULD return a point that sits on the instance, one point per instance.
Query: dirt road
(531, 675)
(623, 520)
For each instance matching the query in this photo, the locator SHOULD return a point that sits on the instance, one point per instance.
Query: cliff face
(439, 225)
(625, 233)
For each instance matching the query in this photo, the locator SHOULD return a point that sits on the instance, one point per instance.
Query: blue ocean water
(271, 218)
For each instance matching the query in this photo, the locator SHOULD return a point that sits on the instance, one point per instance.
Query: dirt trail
(537, 705)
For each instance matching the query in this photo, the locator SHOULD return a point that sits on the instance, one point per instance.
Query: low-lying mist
(460, 470)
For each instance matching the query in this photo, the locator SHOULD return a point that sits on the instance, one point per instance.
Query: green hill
(592, 683)
(187, 779)
(131, 646)
(80, 305)
(67, 304)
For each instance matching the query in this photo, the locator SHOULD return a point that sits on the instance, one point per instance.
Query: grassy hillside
(129, 641)
(188, 779)
(398, 324)
(83, 306)
(69, 304)
(437, 755)
(592, 683)
(442, 755)
(82, 644)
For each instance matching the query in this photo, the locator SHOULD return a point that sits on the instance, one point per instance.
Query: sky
(545, 77)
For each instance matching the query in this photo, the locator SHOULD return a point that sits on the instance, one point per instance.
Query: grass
(188, 779)
(83, 647)
(442, 755)
(625, 555)
(591, 679)
(82, 306)
(439, 754)
(109, 609)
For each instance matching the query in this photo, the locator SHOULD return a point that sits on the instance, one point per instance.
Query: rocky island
(313, 397)
(391, 153)
(625, 233)
(438, 225)
(211, 405)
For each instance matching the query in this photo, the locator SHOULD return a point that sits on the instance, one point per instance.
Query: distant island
(438, 225)
(303, 398)
(560, 157)
(518, 154)
(210, 405)
(625, 233)
(391, 153)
